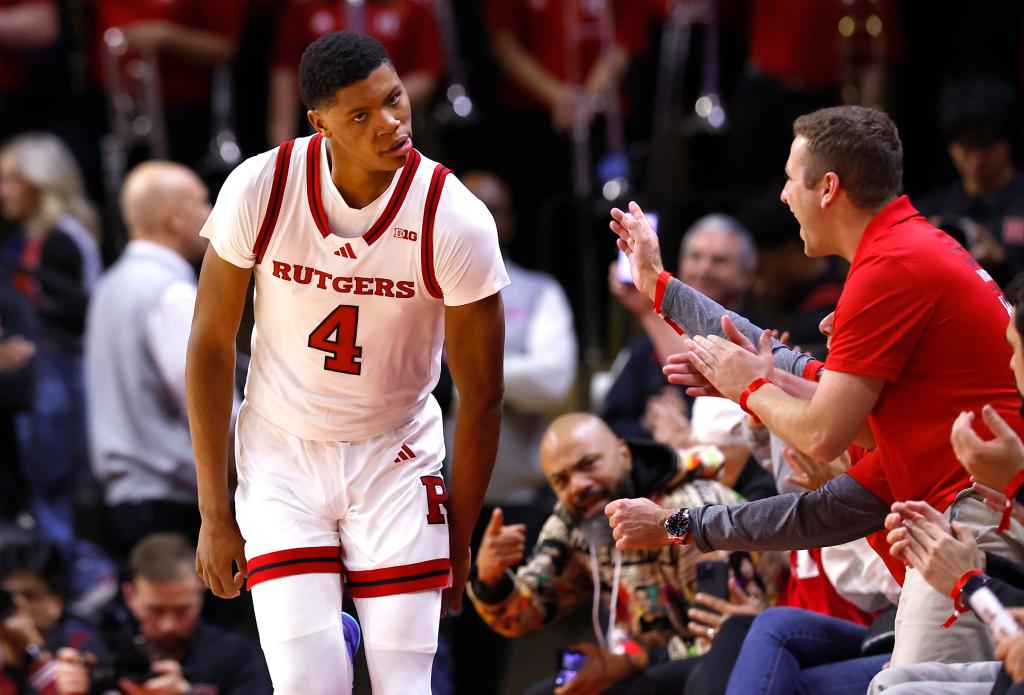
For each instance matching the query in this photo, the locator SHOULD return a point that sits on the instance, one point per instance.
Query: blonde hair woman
(56, 262)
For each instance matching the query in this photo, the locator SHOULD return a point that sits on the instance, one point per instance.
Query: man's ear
(316, 120)
(829, 188)
(626, 454)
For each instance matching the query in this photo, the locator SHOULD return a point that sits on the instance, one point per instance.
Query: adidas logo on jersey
(405, 454)
(405, 234)
(346, 251)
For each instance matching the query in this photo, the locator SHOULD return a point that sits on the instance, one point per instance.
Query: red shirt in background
(12, 63)
(809, 588)
(797, 42)
(407, 28)
(181, 81)
(542, 28)
(918, 312)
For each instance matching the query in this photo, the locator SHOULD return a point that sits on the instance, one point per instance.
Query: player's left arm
(475, 336)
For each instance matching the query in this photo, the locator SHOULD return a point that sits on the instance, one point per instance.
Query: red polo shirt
(407, 28)
(918, 312)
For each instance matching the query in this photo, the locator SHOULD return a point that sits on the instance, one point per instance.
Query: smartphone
(569, 664)
(991, 610)
(622, 271)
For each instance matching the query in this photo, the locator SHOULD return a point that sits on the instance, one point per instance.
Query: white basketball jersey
(349, 304)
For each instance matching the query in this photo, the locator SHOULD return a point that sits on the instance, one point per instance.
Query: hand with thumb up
(501, 547)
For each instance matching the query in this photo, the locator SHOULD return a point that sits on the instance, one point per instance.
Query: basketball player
(365, 255)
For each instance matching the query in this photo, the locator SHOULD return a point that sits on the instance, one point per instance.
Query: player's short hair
(979, 112)
(335, 61)
(860, 145)
(162, 557)
(1015, 295)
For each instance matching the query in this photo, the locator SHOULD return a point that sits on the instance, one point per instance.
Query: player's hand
(602, 670)
(638, 241)
(809, 473)
(992, 462)
(729, 367)
(500, 548)
(220, 544)
(168, 681)
(638, 524)
(451, 598)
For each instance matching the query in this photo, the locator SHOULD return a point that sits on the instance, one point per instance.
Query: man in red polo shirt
(915, 313)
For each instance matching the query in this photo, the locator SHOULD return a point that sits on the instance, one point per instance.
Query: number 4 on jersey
(336, 335)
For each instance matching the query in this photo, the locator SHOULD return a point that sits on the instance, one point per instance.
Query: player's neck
(359, 187)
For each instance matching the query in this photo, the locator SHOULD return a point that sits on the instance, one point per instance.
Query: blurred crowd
(120, 119)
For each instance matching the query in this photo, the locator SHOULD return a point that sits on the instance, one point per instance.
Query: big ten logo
(437, 495)
(405, 234)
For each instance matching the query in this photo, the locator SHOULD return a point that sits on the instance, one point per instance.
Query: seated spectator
(586, 466)
(164, 646)
(138, 329)
(407, 28)
(717, 258)
(980, 123)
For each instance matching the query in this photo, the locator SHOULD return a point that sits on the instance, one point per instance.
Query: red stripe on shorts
(294, 561)
(403, 579)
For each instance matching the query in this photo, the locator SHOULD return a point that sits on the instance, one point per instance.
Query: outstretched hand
(729, 367)
(639, 242)
(680, 369)
(994, 461)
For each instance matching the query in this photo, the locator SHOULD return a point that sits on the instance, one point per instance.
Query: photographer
(165, 648)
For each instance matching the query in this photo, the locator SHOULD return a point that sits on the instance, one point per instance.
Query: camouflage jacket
(656, 586)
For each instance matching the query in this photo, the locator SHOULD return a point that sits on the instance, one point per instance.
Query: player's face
(167, 612)
(1017, 360)
(803, 201)
(369, 122)
(585, 469)
(710, 263)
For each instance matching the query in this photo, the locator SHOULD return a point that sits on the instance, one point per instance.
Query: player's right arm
(209, 382)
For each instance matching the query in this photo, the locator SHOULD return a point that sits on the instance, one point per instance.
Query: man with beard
(587, 466)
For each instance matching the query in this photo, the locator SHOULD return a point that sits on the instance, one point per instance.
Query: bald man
(136, 337)
(587, 466)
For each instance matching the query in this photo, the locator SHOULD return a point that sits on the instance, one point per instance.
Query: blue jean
(790, 650)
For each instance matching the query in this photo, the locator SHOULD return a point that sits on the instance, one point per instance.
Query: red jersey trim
(397, 199)
(284, 158)
(316, 202)
(295, 561)
(427, 242)
(403, 579)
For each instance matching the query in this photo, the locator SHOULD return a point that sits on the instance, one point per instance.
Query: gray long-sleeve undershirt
(697, 314)
(840, 511)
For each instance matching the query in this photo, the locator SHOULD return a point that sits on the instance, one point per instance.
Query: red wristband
(1012, 488)
(659, 290)
(748, 392)
(958, 607)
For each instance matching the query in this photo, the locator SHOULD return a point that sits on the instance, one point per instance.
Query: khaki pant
(937, 679)
(920, 636)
